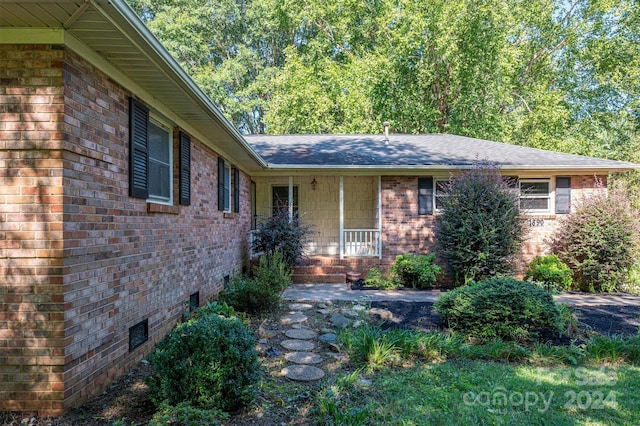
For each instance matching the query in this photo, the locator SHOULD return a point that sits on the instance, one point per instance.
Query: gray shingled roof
(413, 151)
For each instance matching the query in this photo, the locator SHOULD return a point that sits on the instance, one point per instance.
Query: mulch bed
(605, 319)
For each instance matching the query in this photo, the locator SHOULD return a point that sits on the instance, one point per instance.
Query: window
(442, 188)
(225, 173)
(226, 187)
(151, 158)
(160, 154)
(534, 195)
(280, 199)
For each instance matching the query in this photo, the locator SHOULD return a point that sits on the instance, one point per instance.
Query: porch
(344, 211)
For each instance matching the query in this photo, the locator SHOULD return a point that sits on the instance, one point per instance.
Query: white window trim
(435, 194)
(550, 195)
(227, 187)
(163, 125)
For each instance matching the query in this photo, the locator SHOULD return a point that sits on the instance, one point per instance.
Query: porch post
(341, 217)
(379, 217)
(290, 206)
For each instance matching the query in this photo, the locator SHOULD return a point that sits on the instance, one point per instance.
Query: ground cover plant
(479, 231)
(600, 241)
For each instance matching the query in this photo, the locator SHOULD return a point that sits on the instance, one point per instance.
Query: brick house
(127, 198)
(373, 197)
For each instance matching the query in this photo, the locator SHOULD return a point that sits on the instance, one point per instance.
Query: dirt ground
(125, 403)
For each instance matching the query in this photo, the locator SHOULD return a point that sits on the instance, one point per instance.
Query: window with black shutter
(425, 195)
(139, 149)
(563, 195)
(185, 169)
(221, 183)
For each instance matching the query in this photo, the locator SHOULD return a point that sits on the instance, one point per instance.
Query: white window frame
(548, 197)
(154, 121)
(227, 187)
(435, 193)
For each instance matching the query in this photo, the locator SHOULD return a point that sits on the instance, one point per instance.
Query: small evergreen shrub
(416, 271)
(599, 241)
(284, 234)
(260, 293)
(209, 362)
(551, 272)
(499, 308)
(479, 231)
(378, 279)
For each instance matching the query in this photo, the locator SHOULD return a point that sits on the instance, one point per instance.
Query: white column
(379, 217)
(290, 206)
(341, 217)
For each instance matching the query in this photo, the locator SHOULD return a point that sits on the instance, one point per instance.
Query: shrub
(184, 414)
(480, 232)
(599, 242)
(260, 293)
(209, 362)
(376, 278)
(284, 234)
(551, 272)
(499, 307)
(416, 271)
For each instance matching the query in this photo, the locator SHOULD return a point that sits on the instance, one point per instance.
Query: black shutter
(185, 169)
(220, 184)
(138, 149)
(425, 195)
(563, 195)
(236, 190)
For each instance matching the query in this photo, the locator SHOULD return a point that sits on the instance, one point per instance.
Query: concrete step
(319, 269)
(319, 278)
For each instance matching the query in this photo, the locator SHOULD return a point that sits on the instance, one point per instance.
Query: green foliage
(376, 278)
(184, 414)
(614, 349)
(499, 307)
(261, 292)
(479, 232)
(599, 241)
(551, 272)
(209, 362)
(416, 271)
(284, 234)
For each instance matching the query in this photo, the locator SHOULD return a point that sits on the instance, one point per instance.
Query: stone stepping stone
(340, 320)
(293, 318)
(301, 333)
(303, 357)
(302, 373)
(328, 337)
(300, 306)
(298, 345)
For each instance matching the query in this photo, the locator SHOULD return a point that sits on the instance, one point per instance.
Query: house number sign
(536, 222)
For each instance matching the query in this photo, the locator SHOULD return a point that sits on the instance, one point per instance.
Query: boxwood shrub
(499, 307)
(209, 362)
(416, 271)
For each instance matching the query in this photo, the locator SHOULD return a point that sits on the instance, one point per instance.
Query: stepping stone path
(298, 340)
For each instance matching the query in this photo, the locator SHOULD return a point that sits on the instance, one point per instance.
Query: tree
(479, 231)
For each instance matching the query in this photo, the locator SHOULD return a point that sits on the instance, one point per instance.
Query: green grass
(468, 392)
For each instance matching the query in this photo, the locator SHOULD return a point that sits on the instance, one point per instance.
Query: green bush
(184, 414)
(551, 272)
(209, 362)
(260, 293)
(284, 234)
(479, 232)
(416, 271)
(499, 308)
(376, 278)
(599, 242)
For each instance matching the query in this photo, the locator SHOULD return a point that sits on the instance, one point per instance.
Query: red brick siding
(113, 260)
(31, 313)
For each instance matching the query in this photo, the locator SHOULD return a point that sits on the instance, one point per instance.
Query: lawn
(479, 392)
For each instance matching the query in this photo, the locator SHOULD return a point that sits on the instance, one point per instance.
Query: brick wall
(31, 308)
(122, 260)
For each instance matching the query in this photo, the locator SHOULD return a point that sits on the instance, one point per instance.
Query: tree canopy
(561, 75)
